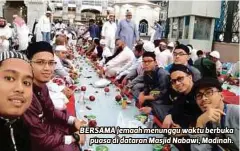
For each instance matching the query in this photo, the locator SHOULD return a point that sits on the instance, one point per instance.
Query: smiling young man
(16, 79)
(50, 129)
(185, 110)
(156, 80)
(215, 113)
(181, 55)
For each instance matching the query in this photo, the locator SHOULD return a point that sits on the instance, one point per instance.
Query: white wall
(198, 8)
(206, 8)
(179, 8)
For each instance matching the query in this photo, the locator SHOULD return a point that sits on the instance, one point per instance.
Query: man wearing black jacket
(185, 110)
(16, 81)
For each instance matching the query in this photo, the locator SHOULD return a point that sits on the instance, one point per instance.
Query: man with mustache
(215, 113)
(16, 80)
(5, 34)
(50, 129)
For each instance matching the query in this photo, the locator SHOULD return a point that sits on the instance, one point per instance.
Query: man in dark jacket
(156, 80)
(185, 109)
(16, 81)
(50, 129)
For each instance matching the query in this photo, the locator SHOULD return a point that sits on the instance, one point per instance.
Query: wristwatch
(76, 137)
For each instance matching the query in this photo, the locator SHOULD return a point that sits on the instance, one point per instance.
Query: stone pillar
(2, 2)
(35, 9)
(170, 28)
(104, 7)
(65, 10)
(191, 27)
(78, 10)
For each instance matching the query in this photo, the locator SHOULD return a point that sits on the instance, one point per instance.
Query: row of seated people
(31, 116)
(180, 95)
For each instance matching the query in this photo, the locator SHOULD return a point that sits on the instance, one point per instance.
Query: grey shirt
(231, 121)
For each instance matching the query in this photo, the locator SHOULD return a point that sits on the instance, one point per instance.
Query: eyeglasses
(179, 54)
(207, 94)
(178, 79)
(147, 61)
(44, 62)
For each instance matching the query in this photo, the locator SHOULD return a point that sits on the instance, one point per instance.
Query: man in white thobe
(120, 62)
(44, 24)
(5, 34)
(108, 32)
(60, 70)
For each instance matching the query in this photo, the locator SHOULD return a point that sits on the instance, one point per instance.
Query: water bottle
(150, 120)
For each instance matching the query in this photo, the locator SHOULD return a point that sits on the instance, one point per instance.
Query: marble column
(2, 2)
(65, 11)
(78, 10)
(35, 9)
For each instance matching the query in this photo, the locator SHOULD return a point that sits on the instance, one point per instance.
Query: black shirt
(20, 135)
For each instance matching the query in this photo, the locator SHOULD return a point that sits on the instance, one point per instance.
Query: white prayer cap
(15, 15)
(215, 54)
(148, 46)
(171, 44)
(190, 49)
(103, 42)
(89, 38)
(111, 13)
(48, 12)
(163, 43)
(60, 48)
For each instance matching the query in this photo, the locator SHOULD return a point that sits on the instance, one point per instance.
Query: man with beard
(16, 80)
(50, 129)
(5, 34)
(127, 31)
(120, 61)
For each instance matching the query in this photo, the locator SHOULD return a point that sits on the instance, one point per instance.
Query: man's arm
(40, 132)
(103, 33)
(117, 35)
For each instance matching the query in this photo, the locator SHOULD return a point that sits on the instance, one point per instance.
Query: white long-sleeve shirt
(136, 62)
(123, 60)
(163, 58)
(59, 68)
(109, 30)
(106, 53)
(44, 24)
(6, 31)
(58, 98)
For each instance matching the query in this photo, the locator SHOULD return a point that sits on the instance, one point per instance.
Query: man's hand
(168, 122)
(67, 91)
(79, 123)
(141, 98)
(82, 138)
(146, 110)
(125, 81)
(211, 115)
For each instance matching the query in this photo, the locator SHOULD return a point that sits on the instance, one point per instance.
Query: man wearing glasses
(127, 31)
(215, 113)
(156, 80)
(181, 55)
(50, 129)
(185, 110)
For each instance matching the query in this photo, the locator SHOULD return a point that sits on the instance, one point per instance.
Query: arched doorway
(87, 14)
(14, 7)
(143, 27)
